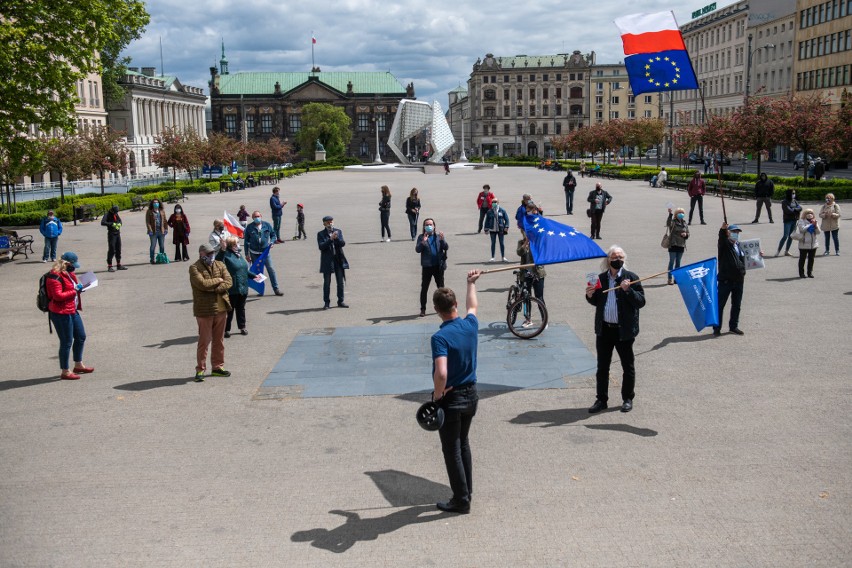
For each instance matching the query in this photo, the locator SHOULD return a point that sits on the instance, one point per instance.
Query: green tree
(327, 124)
(105, 150)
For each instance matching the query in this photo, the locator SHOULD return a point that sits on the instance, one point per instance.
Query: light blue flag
(257, 268)
(552, 242)
(700, 291)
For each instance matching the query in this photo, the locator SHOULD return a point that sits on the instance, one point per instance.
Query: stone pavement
(737, 452)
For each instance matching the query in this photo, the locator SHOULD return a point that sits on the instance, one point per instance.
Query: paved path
(737, 452)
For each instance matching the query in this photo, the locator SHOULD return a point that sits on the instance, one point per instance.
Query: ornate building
(823, 47)
(262, 105)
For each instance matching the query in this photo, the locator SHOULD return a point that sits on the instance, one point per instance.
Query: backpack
(42, 299)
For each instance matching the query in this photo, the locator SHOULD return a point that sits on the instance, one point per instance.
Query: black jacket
(569, 183)
(330, 250)
(764, 187)
(731, 264)
(791, 209)
(108, 219)
(627, 303)
(606, 199)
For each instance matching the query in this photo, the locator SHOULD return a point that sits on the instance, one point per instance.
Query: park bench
(137, 203)
(266, 180)
(224, 186)
(11, 244)
(86, 212)
(173, 196)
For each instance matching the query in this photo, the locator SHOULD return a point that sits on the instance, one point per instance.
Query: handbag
(589, 212)
(667, 239)
(161, 258)
(796, 234)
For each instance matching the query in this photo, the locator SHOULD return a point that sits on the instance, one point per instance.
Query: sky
(433, 44)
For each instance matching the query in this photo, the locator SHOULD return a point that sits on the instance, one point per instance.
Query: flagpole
(503, 268)
(640, 280)
(313, 65)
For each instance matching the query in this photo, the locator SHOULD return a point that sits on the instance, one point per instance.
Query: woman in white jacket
(809, 230)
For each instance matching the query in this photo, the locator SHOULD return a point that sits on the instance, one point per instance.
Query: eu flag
(661, 71)
(552, 242)
(700, 291)
(257, 268)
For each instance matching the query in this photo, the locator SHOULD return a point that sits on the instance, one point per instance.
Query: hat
(206, 248)
(734, 229)
(327, 218)
(72, 258)
(300, 205)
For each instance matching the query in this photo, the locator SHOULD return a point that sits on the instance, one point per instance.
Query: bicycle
(521, 302)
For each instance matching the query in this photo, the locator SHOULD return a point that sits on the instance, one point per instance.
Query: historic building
(152, 103)
(823, 46)
(262, 105)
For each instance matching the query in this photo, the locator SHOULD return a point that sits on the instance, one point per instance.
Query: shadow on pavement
(291, 312)
(392, 319)
(644, 432)
(484, 390)
(683, 339)
(790, 279)
(9, 385)
(556, 417)
(153, 384)
(498, 290)
(188, 340)
(405, 490)
(182, 302)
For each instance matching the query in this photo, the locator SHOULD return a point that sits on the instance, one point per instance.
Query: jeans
(429, 272)
(276, 226)
(735, 291)
(761, 201)
(384, 217)
(569, 201)
(238, 305)
(273, 278)
(459, 409)
(808, 254)
(788, 228)
(608, 340)
(155, 240)
(412, 224)
(71, 333)
(326, 285)
(699, 199)
(494, 236)
(300, 231)
(833, 234)
(482, 213)
(597, 215)
(674, 260)
(50, 248)
(211, 329)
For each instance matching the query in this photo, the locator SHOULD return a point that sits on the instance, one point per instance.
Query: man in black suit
(616, 325)
(332, 261)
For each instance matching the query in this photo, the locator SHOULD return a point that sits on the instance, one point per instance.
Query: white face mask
(735, 237)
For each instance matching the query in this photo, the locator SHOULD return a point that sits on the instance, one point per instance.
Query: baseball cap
(300, 205)
(734, 228)
(72, 258)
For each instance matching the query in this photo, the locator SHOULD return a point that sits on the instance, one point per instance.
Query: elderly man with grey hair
(617, 297)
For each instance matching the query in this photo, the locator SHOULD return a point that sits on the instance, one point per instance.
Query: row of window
(532, 76)
(825, 12)
(695, 43)
(823, 78)
(94, 94)
(364, 120)
(295, 124)
(491, 94)
(826, 45)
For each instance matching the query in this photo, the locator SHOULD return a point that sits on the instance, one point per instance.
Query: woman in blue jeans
(63, 291)
(679, 232)
(497, 225)
(791, 210)
(158, 227)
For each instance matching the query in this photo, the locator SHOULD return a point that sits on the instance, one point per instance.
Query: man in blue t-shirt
(454, 376)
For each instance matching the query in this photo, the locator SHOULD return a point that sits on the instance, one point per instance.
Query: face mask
(794, 196)
(50, 217)
(258, 220)
(208, 260)
(178, 210)
(828, 200)
(810, 217)
(156, 206)
(495, 206)
(429, 228)
(735, 237)
(617, 263)
(680, 216)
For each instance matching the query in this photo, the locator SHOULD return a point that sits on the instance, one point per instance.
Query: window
(557, 128)
(545, 77)
(544, 128)
(613, 114)
(490, 112)
(489, 95)
(519, 129)
(505, 94)
(519, 95)
(615, 100)
(532, 110)
(559, 76)
(520, 78)
(647, 114)
(505, 130)
(579, 76)
(532, 93)
(532, 78)
(505, 112)
(598, 100)
(364, 148)
(250, 125)
(558, 92)
(647, 99)
(577, 92)
(631, 100)
(532, 129)
(363, 122)
(295, 123)
(631, 114)
(485, 79)
(545, 92)
(558, 110)
(382, 121)
(544, 110)
(493, 130)
(266, 123)
(493, 78)
(616, 86)
(505, 78)
(572, 77)
(230, 124)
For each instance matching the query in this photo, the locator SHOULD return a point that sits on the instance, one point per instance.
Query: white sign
(751, 248)
(88, 280)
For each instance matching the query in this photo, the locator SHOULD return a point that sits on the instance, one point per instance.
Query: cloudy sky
(434, 44)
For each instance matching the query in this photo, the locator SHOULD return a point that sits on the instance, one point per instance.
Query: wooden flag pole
(720, 190)
(640, 280)
(502, 268)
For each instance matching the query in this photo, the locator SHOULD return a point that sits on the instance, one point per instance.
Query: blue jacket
(329, 249)
(502, 220)
(50, 229)
(431, 250)
(258, 238)
(275, 205)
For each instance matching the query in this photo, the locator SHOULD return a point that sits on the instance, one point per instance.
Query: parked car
(799, 161)
(695, 158)
(651, 154)
(280, 166)
(726, 161)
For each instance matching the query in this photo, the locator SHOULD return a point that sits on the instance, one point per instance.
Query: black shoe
(423, 313)
(703, 223)
(152, 261)
(771, 221)
(717, 331)
(597, 407)
(342, 305)
(227, 334)
(801, 275)
(121, 267)
(737, 331)
(278, 292)
(243, 332)
(110, 269)
(326, 306)
(755, 222)
(627, 406)
(810, 275)
(453, 506)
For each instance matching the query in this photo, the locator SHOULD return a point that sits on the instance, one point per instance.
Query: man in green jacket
(210, 282)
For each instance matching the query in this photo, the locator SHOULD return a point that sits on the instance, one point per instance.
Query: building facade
(823, 47)
(152, 103)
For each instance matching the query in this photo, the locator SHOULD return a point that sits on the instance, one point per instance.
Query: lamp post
(463, 157)
(748, 83)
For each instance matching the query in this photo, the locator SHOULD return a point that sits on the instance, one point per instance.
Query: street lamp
(748, 63)
(463, 157)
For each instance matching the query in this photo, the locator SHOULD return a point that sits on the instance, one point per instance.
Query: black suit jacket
(330, 250)
(627, 304)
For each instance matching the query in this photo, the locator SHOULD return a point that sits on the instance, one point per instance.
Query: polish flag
(650, 33)
(232, 224)
(313, 39)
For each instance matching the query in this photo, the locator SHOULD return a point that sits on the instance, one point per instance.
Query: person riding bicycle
(530, 277)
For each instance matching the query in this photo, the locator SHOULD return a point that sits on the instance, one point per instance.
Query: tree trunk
(758, 162)
(102, 183)
(61, 190)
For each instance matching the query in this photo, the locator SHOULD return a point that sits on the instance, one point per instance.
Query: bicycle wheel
(513, 295)
(527, 317)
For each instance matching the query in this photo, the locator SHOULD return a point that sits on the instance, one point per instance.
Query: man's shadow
(416, 496)
(555, 417)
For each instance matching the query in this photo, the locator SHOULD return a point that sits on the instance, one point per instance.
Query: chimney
(149, 71)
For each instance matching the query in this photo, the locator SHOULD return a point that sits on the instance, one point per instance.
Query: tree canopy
(327, 124)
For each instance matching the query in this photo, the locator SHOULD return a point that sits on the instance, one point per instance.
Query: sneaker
(220, 372)
(492, 259)
(777, 254)
(387, 240)
(44, 260)
(787, 253)
(826, 253)
(837, 253)
(505, 259)
(527, 324)
(110, 269)
(243, 332)
(199, 376)
(122, 267)
(227, 334)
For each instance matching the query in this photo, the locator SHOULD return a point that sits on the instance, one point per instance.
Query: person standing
(533, 277)
(808, 228)
(112, 221)
(678, 233)
(790, 209)
(454, 348)
(830, 215)
(696, 188)
(63, 291)
(616, 325)
(239, 270)
(412, 209)
(384, 212)
(483, 202)
(433, 253)
(332, 261)
(819, 169)
(243, 216)
(50, 228)
(180, 232)
(218, 235)
(764, 189)
(730, 276)
(155, 222)
(259, 235)
(569, 184)
(521, 211)
(582, 168)
(210, 283)
(277, 213)
(497, 226)
(599, 199)
(300, 222)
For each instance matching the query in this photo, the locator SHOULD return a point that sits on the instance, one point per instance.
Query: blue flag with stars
(552, 242)
(661, 71)
(257, 268)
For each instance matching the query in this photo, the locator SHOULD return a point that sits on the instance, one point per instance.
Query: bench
(173, 196)
(266, 180)
(11, 244)
(224, 186)
(138, 203)
(86, 212)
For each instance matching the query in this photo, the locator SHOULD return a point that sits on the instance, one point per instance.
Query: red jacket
(64, 298)
(484, 200)
(695, 187)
